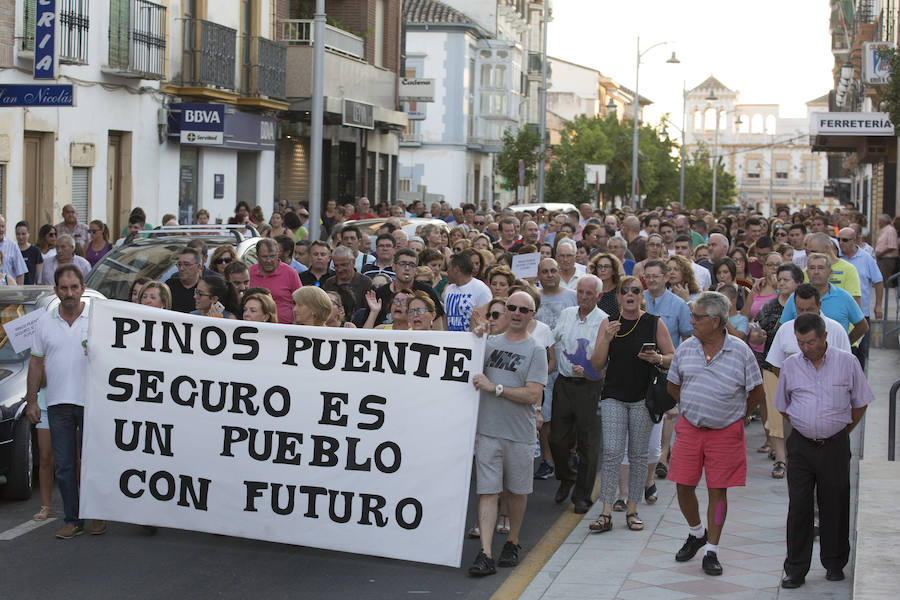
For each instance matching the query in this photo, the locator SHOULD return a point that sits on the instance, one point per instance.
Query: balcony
(263, 67)
(137, 41)
(301, 32)
(408, 139)
(208, 55)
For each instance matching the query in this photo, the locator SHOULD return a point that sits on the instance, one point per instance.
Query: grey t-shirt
(511, 364)
(552, 306)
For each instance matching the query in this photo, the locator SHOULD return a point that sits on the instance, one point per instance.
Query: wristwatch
(498, 389)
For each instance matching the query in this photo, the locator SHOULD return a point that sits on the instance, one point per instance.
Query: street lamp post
(713, 98)
(634, 142)
(683, 142)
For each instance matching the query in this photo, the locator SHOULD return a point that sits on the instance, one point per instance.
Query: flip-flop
(650, 494)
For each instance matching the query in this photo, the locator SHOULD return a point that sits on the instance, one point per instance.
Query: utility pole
(543, 109)
(315, 123)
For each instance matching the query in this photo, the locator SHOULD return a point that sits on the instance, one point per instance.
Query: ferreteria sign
(847, 123)
(353, 440)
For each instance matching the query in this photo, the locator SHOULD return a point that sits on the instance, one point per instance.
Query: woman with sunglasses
(221, 257)
(47, 241)
(627, 348)
(99, 244)
(215, 298)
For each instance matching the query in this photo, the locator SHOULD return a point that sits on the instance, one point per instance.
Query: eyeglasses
(51, 234)
(199, 293)
(398, 301)
(223, 259)
(494, 315)
(522, 309)
(94, 230)
(846, 240)
(184, 265)
(604, 267)
(697, 317)
(303, 214)
(407, 265)
(417, 311)
(631, 290)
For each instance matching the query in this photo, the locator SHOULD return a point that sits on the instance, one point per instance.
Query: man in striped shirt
(823, 392)
(716, 381)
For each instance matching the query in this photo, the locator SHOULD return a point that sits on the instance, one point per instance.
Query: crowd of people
(724, 304)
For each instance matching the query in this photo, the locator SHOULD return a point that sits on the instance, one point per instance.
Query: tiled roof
(712, 84)
(432, 11)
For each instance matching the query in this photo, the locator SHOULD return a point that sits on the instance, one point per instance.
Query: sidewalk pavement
(628, 565)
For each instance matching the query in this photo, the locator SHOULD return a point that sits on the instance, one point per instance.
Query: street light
(611, 107)
(634, 144)
(713, 98)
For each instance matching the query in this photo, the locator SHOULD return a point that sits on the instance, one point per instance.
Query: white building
(769, 156)
(485, 59)
(130, 64)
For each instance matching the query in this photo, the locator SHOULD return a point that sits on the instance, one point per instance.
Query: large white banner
(346, 439)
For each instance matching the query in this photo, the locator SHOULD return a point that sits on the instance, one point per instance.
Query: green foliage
(525, 145)
(698, 176)
(595, 140)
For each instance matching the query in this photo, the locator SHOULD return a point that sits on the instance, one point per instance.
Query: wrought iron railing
(137, 38)
(263, 68)
(208, 54)
(73, 30)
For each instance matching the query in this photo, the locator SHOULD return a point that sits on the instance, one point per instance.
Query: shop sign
(36, 95)
(415, 89)
(357, 114)
(45, 39)
(850, 123)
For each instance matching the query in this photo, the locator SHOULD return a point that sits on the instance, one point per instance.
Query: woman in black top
(608, 268)
(629, 369)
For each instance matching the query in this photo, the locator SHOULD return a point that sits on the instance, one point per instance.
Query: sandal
(503, 525)
(633, 522)
(475, 532)
(764, 448)
(650, 494)
(619, 506)
(42, 514)
(603, 523)
(778, 470)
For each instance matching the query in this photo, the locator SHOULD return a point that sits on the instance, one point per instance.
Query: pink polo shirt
(281, 284)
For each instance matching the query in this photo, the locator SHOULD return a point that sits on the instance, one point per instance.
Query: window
(754, 168)
(137, 36)
(781, 168)
(73, 30)
(493, 103)
(81, 186)
(404, 185)
(28, 25)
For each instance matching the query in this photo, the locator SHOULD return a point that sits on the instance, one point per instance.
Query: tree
(698, 182)
(595, 140)
(522, 145)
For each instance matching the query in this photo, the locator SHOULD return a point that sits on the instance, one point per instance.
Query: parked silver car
(17, 450)
(154, 252)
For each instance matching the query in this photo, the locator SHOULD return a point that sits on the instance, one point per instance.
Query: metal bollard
(892, 417)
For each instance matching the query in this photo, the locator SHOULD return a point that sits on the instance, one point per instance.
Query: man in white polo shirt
(59, 350)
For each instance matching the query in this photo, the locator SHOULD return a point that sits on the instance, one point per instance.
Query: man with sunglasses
(511, 387)
(870, 279)
(575, 395)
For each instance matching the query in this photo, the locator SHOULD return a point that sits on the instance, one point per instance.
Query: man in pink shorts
(716, 381)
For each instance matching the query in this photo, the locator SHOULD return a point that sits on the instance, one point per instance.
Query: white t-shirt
(542, 334)
(63, 349)
(460, 301)
(785, 342)
(799, 258)
(701, 274)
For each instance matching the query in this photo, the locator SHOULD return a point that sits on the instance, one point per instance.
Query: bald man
(718, 248)
(71, 226)
(870, 279)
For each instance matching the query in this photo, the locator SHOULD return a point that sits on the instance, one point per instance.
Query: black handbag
(658, 400)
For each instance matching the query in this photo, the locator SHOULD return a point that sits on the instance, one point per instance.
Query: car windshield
(11, 309)
(152, 258)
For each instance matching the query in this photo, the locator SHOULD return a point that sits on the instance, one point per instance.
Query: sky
(769, 51)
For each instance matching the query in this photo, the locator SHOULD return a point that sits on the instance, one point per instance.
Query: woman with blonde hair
(682, 280)
(156, 294)
(312, 306)
(482, 242)
(259, 308)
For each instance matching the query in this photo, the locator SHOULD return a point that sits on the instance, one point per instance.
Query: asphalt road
(126, 562)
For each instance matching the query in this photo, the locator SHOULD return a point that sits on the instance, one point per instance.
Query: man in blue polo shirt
(670, 308)
(869, 278)
(836, 303)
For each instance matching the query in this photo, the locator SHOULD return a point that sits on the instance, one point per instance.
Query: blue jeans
(66, 425)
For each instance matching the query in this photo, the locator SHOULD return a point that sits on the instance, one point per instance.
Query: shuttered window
(81, 192)
(28, 25)
(119, 25)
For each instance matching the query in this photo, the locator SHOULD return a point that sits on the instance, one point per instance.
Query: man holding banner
(511, 387)
(58, 349)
